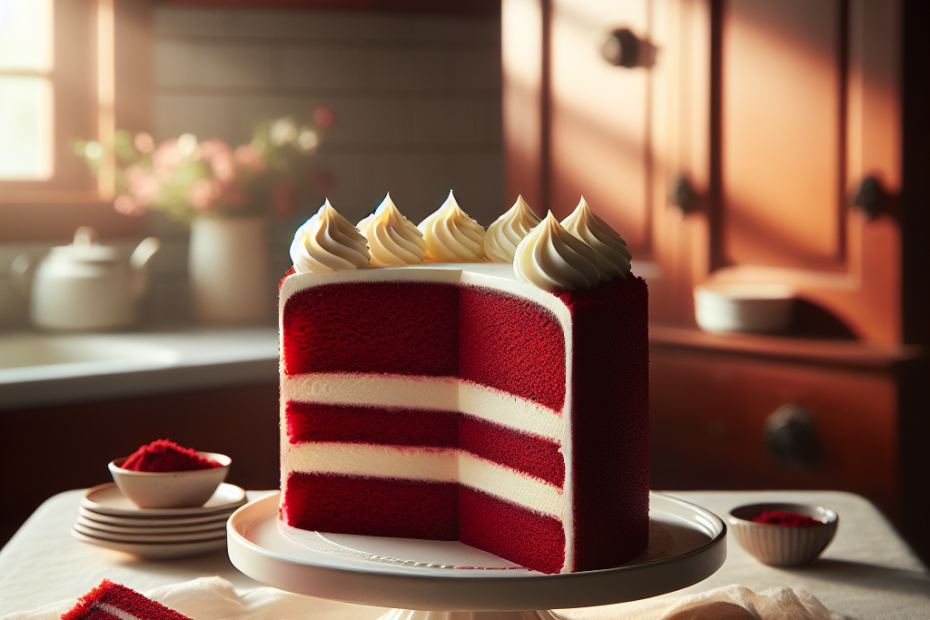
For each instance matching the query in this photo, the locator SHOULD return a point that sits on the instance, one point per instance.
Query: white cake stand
(687, 544)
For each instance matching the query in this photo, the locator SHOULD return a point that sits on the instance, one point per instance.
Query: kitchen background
(733, 148)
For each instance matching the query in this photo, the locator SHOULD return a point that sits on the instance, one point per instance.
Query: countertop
(49, 369)
(866, 572)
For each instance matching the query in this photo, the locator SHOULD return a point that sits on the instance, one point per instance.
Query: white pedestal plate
(686, 545)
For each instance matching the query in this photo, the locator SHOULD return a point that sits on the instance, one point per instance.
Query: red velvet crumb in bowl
(163, 455)
(781, 517)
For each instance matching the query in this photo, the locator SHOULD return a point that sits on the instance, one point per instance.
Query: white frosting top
(612, 252)
(451, 236)
(507, 231)
(392, 238)
(328, 242)
(553, 259)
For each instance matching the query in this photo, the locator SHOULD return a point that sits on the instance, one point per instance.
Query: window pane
(25, 128)
(26, 35)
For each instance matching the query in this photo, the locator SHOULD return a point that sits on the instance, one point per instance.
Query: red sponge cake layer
(479, 409)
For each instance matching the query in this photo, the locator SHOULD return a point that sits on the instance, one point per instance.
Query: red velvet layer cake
(454, 402)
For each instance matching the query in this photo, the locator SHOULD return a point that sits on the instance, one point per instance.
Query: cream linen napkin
(213, 598)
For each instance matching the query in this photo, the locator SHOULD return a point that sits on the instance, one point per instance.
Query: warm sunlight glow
(26, 93)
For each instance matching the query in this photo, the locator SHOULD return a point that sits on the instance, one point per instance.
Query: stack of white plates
(108, 519)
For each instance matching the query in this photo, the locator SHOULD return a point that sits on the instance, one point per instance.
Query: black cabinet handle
(791, 439)
(622, 48)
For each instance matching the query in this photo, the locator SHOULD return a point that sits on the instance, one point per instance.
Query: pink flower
(204, 194)
(142, 185)
(167, 158)
(144, 143)
(323, 116)
(212, 148)
(250, 159)
(128, 205)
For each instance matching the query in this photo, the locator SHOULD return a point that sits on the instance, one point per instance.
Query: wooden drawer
(708, 412)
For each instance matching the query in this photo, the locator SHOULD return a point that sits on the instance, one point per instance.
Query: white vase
(228, 270)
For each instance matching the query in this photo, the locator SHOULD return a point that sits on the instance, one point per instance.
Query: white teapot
(85, 285)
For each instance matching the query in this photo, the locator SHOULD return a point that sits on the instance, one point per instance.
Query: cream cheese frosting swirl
(612, 252)
(451, 236)
(552, 259)
(392, 238)
(328, 242)
(507, 231)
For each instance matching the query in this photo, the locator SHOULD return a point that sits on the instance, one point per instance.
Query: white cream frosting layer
(612, 252)
(392, 238)
(328, 242)
(507, 231)
(451, 236)
(426, 464)
(554, 260)
(436, 393)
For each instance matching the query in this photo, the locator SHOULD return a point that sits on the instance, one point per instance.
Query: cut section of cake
(112, 601)
(453, 401)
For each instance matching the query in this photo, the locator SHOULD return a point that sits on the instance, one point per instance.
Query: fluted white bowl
(171, 489)
(783, 545)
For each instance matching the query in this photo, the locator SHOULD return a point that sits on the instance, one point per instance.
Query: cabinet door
(575, 125)
(774, 112)
(803, 107)
(709, 414)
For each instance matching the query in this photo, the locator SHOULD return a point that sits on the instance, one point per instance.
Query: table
(867, 572)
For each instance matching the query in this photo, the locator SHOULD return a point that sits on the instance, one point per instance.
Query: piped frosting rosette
(328, 242)
(612, 252)
(553, 259)
(506, 233)
(392, 238)
(451, 236)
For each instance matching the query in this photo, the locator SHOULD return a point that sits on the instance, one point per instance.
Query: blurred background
(766, 162)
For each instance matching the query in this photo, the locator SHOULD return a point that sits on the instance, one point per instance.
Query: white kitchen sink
(38, 369)
(29, 350)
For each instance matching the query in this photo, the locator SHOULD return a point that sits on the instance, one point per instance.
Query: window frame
(102, 79)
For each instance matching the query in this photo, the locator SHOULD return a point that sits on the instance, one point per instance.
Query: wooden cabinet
(48, 450)
(733, 152)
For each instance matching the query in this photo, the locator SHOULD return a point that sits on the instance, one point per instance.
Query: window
(26, 90)
(62, 64)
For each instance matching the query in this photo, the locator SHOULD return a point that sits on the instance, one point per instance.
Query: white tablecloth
(867, 572)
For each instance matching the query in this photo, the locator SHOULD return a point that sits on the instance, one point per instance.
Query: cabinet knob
(791, 439)
(622, 48)
(684, 195)
(870, 197)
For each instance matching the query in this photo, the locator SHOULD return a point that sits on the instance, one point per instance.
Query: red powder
(164, 455)
(781, 517)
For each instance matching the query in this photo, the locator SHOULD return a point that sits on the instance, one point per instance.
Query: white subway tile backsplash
(318, 67)
(175, 63)
(476, 69)
(191, 21)
(416, 100)
(478, 177)
(233, 66)
(205, 116)
(421, 69)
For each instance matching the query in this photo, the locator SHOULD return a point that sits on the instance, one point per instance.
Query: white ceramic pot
(228, 269)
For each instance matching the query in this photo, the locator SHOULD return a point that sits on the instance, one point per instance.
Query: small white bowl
(757, 308)
(171, 489)
(783, 545)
